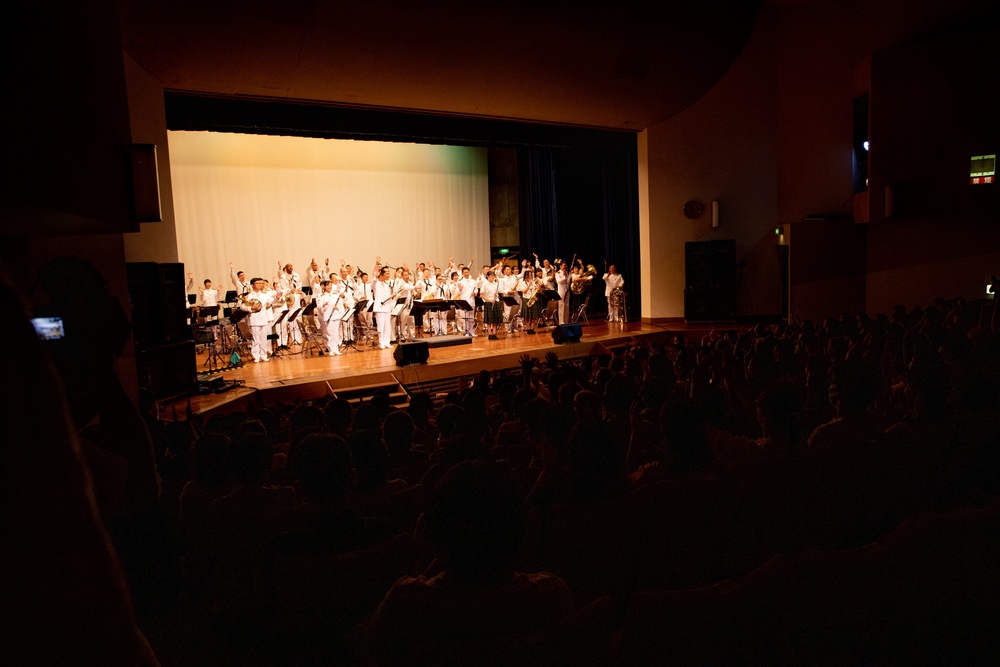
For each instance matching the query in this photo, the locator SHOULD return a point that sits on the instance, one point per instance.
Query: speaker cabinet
(710, 264)
(407, 354)
(567, 333)
(159, 303)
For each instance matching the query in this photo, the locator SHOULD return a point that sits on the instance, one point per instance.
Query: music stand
(276, 338)
(293, 322)
(192, 298)
(396, 310)
(550, 295)
(510, 322)
(231, 296)
(463, 305)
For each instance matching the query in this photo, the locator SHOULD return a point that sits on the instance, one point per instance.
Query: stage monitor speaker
(567, 333)
(407, 354)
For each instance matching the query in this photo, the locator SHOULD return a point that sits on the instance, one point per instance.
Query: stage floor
(296, 375)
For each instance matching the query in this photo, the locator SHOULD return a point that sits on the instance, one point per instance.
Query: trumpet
(582, 284)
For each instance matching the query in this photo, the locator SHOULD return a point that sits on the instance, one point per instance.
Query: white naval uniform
(383, 302)
(562, 287)
(612, 281)
(330, 311)
(260, 324)
(403, 321)
(467, 289)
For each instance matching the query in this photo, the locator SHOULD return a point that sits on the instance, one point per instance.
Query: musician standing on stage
(363, 292)
(529, 287)
(384, 298)
(402, 323)
(240, 281)
(330, 307)
(489, 291)
(613, 280)
(507, 286)
(467, 292)
(260, 320)
(424, 289)
(315, 277)
(209, 296)
(439, 319)
(562, 287)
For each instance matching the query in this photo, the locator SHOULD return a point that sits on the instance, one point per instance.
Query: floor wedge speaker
(407, 354)
(567, 333)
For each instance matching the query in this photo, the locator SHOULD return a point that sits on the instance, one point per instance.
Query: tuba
(583, 283)
(616, 297)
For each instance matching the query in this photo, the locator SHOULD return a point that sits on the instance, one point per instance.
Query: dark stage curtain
(583, 201)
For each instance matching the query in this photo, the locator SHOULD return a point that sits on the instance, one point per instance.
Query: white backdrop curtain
(256, 200)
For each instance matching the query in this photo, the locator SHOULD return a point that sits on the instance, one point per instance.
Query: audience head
(475, 522)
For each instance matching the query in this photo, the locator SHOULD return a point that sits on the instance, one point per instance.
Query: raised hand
(552, 360)
(527, 362)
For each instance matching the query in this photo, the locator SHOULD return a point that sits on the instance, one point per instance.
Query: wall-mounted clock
(693, 209)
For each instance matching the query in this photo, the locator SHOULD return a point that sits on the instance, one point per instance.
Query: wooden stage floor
(305, 376)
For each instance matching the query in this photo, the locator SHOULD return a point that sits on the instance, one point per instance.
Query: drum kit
(227, 338)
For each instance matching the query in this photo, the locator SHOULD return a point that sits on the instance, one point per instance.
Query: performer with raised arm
(383, 296)
(208, 296)
(562, 287)
(258, 304)
(363, 292)
(240, 282)
(614, 284)
(315, 276)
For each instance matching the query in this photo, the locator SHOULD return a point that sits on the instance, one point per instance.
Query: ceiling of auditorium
(597, 63)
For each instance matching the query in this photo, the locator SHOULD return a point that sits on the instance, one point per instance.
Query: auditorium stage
(303, 376)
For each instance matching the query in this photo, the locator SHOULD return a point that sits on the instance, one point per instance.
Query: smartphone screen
(49, 328)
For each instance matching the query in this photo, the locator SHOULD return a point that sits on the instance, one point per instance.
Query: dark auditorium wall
(934, 105)
(772, 140)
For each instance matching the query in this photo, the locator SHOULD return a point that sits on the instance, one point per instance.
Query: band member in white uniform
(287, 277)
(384, 298)
(489, 291)
(260, 321)
(439, 318)
(402, 324)
(424, 289)
(315, 276)
(294, 328)
(467, 293)
(363, 292)
(240, 281)
(507, 286)
(208, 296)
(330, 305)
(562, 287)
(613, 280)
